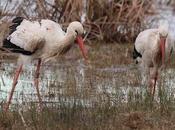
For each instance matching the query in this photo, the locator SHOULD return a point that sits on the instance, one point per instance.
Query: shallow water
(79, 83)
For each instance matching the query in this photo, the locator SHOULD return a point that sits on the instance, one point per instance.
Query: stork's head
(163, 33)
(77, 28)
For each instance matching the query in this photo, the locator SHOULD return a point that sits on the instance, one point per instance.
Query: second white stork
(42, 40)
(150, 49)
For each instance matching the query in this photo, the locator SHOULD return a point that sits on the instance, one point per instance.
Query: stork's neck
(156, 47)
(65, 43)
(70, 37)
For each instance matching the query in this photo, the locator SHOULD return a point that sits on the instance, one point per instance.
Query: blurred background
(108, 94)
(104, 20)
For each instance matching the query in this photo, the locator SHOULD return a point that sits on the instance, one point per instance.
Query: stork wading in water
(41, 40)
(150, 49)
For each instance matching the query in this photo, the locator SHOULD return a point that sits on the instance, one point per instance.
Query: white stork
(42, 40)
(150, 49)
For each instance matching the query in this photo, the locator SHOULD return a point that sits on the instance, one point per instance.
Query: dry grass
(111, 55)
(126, 116)
(119, 20)
(3, 31)
(106, 111)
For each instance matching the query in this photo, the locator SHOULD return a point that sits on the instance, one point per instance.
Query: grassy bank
(90, 109)
(139, 113)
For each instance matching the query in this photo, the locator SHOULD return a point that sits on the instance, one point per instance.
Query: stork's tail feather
(16, 22)
(4, 50)
(136, 54)
(7, 45)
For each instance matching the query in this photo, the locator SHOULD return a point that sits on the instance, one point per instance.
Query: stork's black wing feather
(16, 22)
(136, 54)
(10, 46)
(15, 49)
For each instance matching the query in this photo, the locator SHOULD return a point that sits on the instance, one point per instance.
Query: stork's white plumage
(150, 49)
(42, 40)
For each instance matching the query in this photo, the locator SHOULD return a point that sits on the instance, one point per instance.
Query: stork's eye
(76, 32)
(65, 29)
(163, 36)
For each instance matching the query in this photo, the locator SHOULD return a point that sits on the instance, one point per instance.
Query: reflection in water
(78, 83)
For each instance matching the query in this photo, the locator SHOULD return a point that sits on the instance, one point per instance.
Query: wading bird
(150, 49)
(41, 40)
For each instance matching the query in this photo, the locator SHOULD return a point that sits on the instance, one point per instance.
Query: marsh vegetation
(108, 93)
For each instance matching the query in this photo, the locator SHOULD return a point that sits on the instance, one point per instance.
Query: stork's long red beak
(80, 42)
(162, 46)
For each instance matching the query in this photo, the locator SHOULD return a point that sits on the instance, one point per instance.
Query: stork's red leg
(153, 84)
(15, 81)
(169, 56)
(36, 81)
